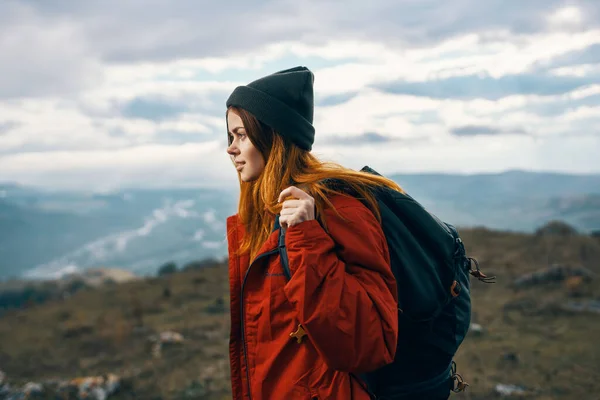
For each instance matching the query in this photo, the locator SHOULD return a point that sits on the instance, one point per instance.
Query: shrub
(556, 228)
(167, 269)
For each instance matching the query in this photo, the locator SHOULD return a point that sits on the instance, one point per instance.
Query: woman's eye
(231, 137)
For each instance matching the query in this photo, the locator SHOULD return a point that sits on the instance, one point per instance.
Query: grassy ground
(527, 340)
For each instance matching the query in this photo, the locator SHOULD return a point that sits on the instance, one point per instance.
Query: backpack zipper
(268, 253)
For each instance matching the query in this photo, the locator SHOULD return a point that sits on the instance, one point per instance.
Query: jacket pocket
(280, 312)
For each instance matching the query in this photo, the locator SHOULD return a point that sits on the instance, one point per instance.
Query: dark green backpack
(433, 273)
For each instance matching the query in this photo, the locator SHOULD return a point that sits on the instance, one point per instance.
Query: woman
(309, 337)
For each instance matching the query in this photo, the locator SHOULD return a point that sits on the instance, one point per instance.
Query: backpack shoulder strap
(336, 184)
(285, 264)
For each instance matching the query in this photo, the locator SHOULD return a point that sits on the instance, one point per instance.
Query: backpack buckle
(458, 382)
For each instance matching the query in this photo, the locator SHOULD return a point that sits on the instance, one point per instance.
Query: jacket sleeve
(343, 289)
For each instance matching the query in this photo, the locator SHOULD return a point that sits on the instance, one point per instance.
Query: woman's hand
(297, 210)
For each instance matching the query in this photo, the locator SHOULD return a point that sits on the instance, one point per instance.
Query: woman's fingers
(288, 220)
(283, 221)
(298, 209)
(295, 192)
(292, 203)
(287, 211)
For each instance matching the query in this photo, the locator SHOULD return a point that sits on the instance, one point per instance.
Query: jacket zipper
(271, 252)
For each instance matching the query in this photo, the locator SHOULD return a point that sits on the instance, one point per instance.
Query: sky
(101, 95)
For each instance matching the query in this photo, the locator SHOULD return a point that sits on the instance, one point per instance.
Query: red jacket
(342, 294)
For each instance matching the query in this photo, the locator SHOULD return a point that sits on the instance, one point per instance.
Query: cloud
(554, 106)
(476, 154)
(91, 97)
(50, 125)
(158, 30)
(587, 55)
(473, 86)
(569, 16)
(367, 138)
(334, 99)
(41, 57)
(184, 165)
(401, 40)
(154, 110)
(6, 126)
(472, 130)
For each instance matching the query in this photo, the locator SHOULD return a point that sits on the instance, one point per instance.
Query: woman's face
(248, 160)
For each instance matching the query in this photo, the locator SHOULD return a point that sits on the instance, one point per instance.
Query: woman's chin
(246, 178)
(243, 177)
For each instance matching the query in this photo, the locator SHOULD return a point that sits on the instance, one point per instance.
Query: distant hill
(513, 200)
(509, 184)
(45, 233)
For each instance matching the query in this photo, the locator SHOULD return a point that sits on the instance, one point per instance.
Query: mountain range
(45, 234)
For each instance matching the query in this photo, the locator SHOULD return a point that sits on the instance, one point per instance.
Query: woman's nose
(231, 149)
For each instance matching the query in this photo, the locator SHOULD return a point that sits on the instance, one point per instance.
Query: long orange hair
(287, 164)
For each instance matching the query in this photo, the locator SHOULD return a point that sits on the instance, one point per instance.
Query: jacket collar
(236, 232)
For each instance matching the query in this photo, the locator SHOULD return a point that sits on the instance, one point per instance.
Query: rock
(98, 276)
(74, 331)
(511, 357)
(112, 384)
(95, 387)
(574, 286)
(164, 338)
(4, 386)
(523, 305)
(89, 388)
(217, 307)
(33, 388)
(591, 306)
(509, 390)
(476, 329)
(554, 273)
(156, 350)
(97, 393)
(169, 337)
(195, 390)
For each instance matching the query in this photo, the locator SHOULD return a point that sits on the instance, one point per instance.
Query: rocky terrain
(165, 337)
